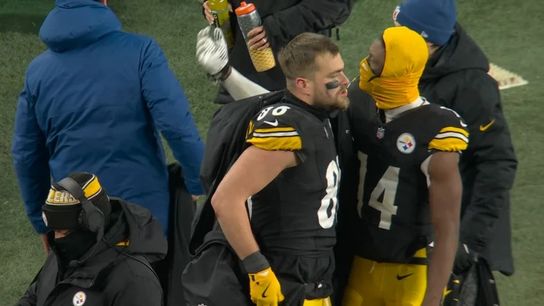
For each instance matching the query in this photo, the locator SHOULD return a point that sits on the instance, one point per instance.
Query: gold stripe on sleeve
(449, 144)
(283, 143)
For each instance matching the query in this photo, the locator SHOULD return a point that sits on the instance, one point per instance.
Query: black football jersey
(393, 205)
(296, 212)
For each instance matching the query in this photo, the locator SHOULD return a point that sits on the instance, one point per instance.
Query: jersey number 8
(276, 111)
(326, 214)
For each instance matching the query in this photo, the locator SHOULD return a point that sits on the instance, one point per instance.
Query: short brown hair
(297, 58)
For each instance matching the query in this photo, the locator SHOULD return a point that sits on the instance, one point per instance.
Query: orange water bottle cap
(244, 8)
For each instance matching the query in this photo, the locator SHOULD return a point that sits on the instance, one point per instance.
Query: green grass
(508, 31)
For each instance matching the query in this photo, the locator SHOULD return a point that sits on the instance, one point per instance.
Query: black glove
(464, 259)
(453, 291)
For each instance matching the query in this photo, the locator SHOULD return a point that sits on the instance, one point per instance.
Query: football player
(277, 203)
(409, 184)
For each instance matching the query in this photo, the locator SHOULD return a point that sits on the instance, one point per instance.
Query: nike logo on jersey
(401, 277)
(264, 291)
(272, 123)
(485, 127)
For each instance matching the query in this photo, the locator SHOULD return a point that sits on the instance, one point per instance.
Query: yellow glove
(264, 288)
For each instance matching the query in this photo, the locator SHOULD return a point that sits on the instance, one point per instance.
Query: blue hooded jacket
(95, 101)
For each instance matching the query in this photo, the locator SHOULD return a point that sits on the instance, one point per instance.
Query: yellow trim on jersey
(274, 132)
(454, 129)
(421, 253)
(318, 302)
(92, 188)
(250, 129)
(283, 143)
(276, 129)
(450, 139)
(449, 144)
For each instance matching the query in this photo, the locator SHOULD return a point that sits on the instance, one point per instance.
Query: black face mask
(74, 245)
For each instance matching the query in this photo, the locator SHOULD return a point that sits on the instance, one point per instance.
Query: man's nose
(344, 79)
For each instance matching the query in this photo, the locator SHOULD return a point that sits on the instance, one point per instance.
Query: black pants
(215, 277)
(303, 276)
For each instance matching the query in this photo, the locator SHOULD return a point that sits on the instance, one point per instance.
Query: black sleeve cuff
(255, 262)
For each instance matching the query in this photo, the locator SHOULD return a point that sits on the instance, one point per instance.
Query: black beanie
(62, 210)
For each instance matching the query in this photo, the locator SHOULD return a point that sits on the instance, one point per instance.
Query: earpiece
(91, 217)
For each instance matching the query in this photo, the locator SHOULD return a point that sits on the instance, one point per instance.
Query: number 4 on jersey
(383, 195)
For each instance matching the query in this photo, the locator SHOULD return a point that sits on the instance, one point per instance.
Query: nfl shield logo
(406, 143)
(380, 132)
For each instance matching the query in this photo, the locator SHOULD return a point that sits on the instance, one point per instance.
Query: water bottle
(248, 19)
(220, 12)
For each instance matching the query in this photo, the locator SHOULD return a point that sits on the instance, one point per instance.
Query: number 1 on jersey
(383, 195)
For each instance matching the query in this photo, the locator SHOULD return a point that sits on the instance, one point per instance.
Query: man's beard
(340, 102)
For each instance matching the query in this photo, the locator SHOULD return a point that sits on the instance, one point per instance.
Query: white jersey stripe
(276, 134)
(451, 134)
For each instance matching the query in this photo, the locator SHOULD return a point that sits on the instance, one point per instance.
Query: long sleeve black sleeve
(489, 166)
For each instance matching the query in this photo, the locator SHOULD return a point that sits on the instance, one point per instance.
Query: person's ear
(303, 86)
(105, 2)
(432, 48)
(301, 83)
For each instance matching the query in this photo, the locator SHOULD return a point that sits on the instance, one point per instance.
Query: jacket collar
(316, 111)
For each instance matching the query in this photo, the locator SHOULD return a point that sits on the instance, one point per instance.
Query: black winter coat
(283, 20)
(112, 275)
(225, 143)
(456, 77)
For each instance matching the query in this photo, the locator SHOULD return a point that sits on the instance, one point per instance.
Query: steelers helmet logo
(79, 298)
(406, 143)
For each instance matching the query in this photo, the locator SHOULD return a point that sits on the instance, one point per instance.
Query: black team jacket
(116, 273)
(225, 142)
(456, 77)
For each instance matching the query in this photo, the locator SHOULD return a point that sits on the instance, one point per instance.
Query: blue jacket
(95, 101)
